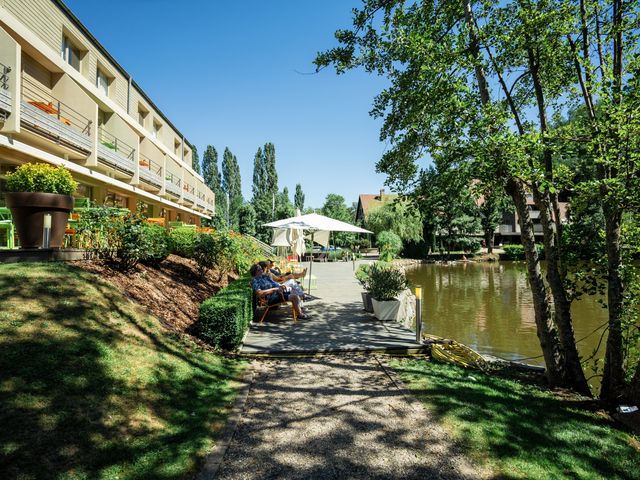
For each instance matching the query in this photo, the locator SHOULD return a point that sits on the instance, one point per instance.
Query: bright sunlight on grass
(520, 431)
(93, 387)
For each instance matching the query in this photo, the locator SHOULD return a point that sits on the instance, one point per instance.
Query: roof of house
(366, 201)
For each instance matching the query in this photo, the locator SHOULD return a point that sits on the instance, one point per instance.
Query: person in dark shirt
(264, 286)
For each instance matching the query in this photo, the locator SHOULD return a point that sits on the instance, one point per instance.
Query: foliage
(41, 177)
(213, 180)
(515, 251)
(389, 244)
(336, 208)
(284, 207)
(386, 281)
(265, 189)
(157, 245)
(79, 361)
(362, 275)
(400, 217)
(224, 318)
(182, 241)
(195, 163)
(247, 219)
(298, 199)
(205, 252)
(530, 432)
(232, 187)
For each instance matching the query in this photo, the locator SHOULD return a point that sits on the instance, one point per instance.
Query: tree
(400, 217)
(440, 58)
(213, 180)
(247, 219)
(298, 199)
(284, 207)
(491, 203)
(232, 186)
(265, 189)
(195, 159)
(335, 207)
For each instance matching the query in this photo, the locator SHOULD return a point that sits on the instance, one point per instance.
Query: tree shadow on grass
(526, 432)
(91, 390)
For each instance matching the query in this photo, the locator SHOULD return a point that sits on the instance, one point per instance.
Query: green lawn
(93, 387)
(520, 431)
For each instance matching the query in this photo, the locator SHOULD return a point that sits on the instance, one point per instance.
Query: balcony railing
(115, 153)
(45, 115)
(173, 185)
(5, 93)
(150, 171)
(189, 193)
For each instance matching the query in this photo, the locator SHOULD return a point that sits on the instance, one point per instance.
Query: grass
(520, 431)
(93, 387)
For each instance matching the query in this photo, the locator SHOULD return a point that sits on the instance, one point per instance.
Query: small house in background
(369, 202)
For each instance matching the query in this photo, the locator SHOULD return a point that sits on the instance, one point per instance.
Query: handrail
(38, 96)
(267, 250)
(147, 163)
(114, 143)
(4, 76)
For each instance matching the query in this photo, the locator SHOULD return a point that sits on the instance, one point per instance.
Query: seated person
(264, 286)
(273, 268)
(276, 275)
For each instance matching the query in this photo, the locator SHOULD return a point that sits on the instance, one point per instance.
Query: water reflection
(489, 307)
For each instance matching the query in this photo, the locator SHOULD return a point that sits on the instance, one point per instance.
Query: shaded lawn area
(520, 431)
(93, 387)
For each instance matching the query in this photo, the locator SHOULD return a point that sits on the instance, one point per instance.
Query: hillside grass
(91, 386)
(520, 431)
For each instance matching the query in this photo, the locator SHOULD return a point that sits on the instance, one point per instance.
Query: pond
(489, 307)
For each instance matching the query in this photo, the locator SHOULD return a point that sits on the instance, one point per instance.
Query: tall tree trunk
(573, 373)
(613, 375)
(545, 326)
(633, 392)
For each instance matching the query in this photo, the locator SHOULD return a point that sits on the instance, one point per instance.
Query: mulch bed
(173, 291)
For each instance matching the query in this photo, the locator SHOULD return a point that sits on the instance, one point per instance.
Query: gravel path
(336, 417)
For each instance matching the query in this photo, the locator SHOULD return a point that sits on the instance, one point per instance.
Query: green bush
(41, 177)
(516, 251)
(224, 318)
(99, 231)
(205, 252)
(386, 281)
(182, 241)
(362, 275)
(157, 245)
(390, 244)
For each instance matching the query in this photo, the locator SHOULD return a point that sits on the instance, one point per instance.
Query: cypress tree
(231, 185)
(213, 180)
(195, 159)
(298, 199)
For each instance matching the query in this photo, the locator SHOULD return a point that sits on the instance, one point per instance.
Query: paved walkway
(336, 417)
(338, 321)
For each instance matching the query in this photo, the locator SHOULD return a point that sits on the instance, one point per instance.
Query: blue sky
(240, 74)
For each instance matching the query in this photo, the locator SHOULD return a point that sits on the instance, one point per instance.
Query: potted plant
(387, 285)
(33, 190)
(362, 275)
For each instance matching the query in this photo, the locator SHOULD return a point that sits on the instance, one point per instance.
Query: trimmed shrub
(157, 245)
(224, 318)
(362, 275)
(41, 177)
(516, 251)
(205, 252)
(182, 241)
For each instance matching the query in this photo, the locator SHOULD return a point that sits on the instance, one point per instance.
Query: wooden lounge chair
(262, 302)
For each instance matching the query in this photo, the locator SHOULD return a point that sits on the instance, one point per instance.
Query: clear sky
(240, 74)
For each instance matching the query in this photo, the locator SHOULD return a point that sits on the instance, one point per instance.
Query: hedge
(516, 251)
(225, 317)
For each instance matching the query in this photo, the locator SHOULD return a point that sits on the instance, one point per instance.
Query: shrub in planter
(386, 281)
(32, 191)
(362, 275)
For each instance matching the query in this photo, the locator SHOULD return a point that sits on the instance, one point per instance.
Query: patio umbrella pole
(310, 263)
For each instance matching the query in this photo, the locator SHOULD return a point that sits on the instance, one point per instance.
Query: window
(142, 114)
(102, 82)
(176, 148)
(70, 53)
(155, 133)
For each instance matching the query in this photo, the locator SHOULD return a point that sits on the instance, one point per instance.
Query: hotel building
(65, 101)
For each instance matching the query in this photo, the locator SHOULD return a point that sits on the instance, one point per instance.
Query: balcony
(505, 229)
(201, 202)
(173, 185)
(5, 93)
(114, 153)
(45, 115)
(150, 171)
(188, 193)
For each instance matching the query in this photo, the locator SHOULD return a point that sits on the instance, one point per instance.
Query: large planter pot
(366, 301)
(28, 210)
(400, 309)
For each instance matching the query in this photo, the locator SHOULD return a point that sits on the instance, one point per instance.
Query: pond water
(488, 306)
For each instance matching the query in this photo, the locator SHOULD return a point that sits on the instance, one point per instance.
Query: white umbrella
(314, 222)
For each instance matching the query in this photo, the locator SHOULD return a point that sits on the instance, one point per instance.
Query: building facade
(65, 101)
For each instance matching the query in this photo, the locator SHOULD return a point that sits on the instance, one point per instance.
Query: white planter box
(366, 302)
(401, 309)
